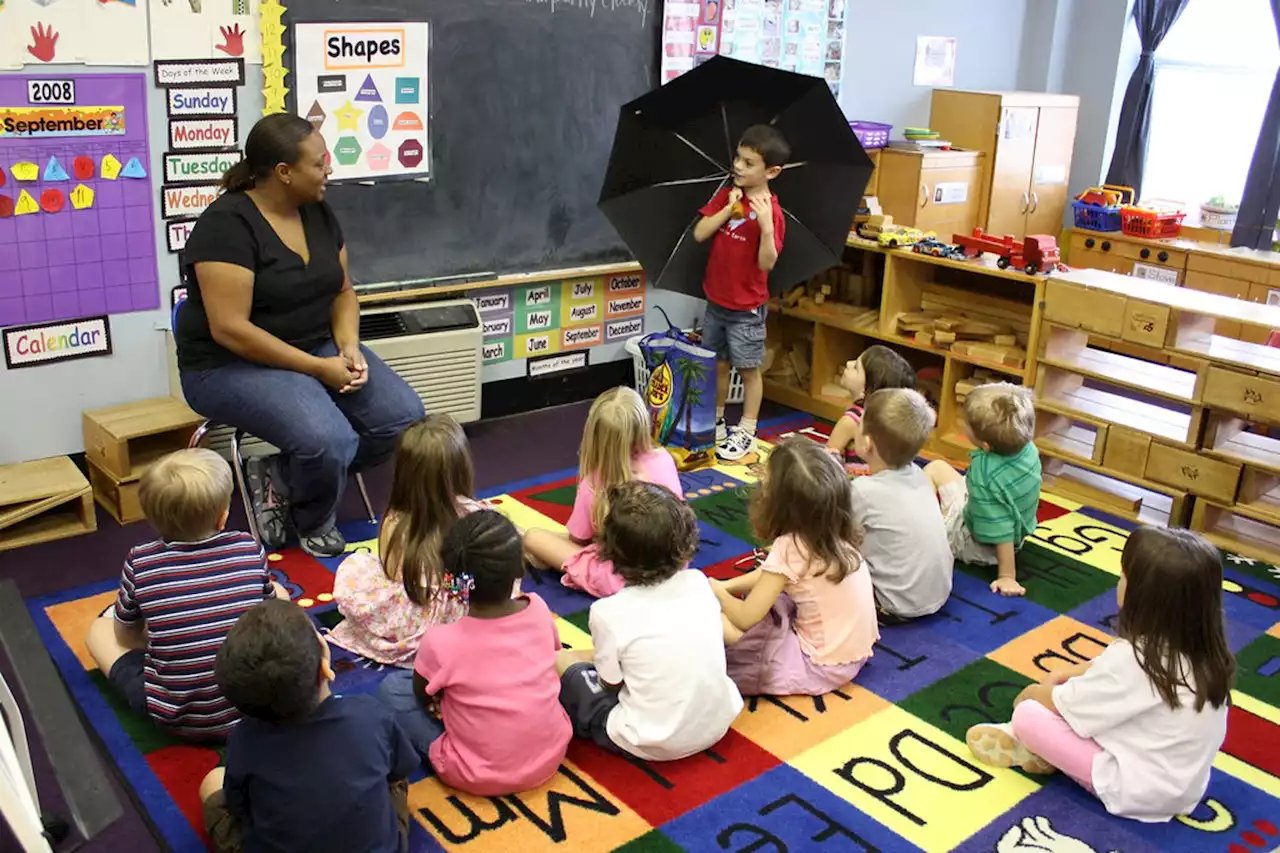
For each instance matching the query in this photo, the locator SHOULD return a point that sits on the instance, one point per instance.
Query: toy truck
(1033, 254)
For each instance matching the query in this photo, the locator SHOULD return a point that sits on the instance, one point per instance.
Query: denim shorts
(735, 336)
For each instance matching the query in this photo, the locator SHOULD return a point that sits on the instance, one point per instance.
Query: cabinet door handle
(924, 194)
(1026, 200)
(1035, 202)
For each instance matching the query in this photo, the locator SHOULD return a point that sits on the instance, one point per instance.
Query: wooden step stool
(44, 500)
(120, 442)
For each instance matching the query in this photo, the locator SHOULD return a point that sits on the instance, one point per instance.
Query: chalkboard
(523, 102)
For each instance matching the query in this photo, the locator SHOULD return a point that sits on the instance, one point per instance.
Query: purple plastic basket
(872, 134)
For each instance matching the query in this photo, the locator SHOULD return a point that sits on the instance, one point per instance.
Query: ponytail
(275, 139)
(238, 178)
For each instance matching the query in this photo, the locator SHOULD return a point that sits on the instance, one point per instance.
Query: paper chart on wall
(205, 29)
(94, 32)
(364, 87)
(117, 32)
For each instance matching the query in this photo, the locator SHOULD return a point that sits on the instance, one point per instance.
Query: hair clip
(459, 586)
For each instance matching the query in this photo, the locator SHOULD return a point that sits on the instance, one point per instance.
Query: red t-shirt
(734, 279)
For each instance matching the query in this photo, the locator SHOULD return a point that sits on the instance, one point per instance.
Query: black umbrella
(674, 147)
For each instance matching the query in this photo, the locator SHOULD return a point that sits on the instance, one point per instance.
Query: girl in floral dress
(388, 603)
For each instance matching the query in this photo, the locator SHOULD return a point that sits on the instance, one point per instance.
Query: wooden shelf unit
(1228, 389)
(911, 282)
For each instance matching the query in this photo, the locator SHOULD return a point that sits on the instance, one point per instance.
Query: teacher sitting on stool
(269, 337)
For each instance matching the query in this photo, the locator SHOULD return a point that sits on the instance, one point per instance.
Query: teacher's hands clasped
(346, 372)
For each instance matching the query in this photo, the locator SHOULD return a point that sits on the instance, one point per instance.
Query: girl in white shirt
(1139, 725)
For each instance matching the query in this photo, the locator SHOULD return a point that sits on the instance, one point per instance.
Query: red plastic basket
(872, 134)
(1146, 222)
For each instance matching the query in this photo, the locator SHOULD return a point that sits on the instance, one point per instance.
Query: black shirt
(291, 300)
(320, 785)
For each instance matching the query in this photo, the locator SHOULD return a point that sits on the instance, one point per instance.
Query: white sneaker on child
(722, 431)
(737, 445)
(994, 744)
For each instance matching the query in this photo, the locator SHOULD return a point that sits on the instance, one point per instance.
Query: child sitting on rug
(1139, 726)
(808, 621)
(481, 703)
(306, 770)
(617, 447)
(878, 367)
(992, 508)
(655, 685)
(179, 595)
(904, 540)
(389, 601)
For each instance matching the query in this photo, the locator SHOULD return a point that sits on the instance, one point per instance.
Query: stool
(237, 468)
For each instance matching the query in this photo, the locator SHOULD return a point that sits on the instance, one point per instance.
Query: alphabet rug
(879, 765)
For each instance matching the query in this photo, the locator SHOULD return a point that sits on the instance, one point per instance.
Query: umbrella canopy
(674, 147)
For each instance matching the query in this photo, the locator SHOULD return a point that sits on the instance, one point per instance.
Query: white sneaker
(995, 745)
(737, 445)
(722, 431)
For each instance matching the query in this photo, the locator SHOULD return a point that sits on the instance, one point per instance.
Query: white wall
(880, 49)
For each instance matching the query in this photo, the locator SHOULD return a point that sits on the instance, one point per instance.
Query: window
(1213, 78)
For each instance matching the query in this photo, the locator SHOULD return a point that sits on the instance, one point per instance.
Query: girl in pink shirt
(389, 603)
(617, 447)
(482, 704)
(808, 621)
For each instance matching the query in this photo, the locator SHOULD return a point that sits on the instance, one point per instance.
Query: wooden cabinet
(1242, 273)
(873, 185)
(934, 191)
(1027, 139)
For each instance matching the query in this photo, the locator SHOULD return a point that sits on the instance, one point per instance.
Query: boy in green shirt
(990, 510)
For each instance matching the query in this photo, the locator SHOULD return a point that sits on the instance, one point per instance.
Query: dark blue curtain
(1154, 19)
(1261, 201)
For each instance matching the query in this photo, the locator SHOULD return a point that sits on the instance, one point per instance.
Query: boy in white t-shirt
(905, 539)
(656, 686)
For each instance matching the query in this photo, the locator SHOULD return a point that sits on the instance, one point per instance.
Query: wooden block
(1257, 397)
(123, 440)
(949, 323)
(1126, 451)
(1005, 340)
(944, 337)
(119, 499)
(819, 298)
(1145, 323)
(826, 290)
(925, 338)
(43, 500)
(1191, 472)
(1083, 308)
(793, 296)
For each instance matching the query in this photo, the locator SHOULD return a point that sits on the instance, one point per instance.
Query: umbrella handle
(670, 325)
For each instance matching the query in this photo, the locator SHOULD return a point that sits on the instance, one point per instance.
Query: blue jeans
(422, 729)
(322, 434)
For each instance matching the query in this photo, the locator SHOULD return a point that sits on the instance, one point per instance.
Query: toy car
(938, 249)
(870, 228)
(901, 235)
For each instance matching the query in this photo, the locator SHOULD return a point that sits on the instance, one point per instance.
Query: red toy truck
(1033, 254)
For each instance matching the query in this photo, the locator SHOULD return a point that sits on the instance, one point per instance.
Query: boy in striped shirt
(992, 509)
(179, 596)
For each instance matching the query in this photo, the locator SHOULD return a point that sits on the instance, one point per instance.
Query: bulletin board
(556, 317)
(805, 36)
(77, 227)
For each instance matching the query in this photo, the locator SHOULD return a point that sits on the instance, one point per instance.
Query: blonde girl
(1140, 725)
(617, 447)
(808, 621)
(389, 603)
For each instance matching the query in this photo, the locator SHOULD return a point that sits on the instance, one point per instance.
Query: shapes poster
(364, 87)
(205, 29)
(77, 224)
(93, 32)
(805, 36)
